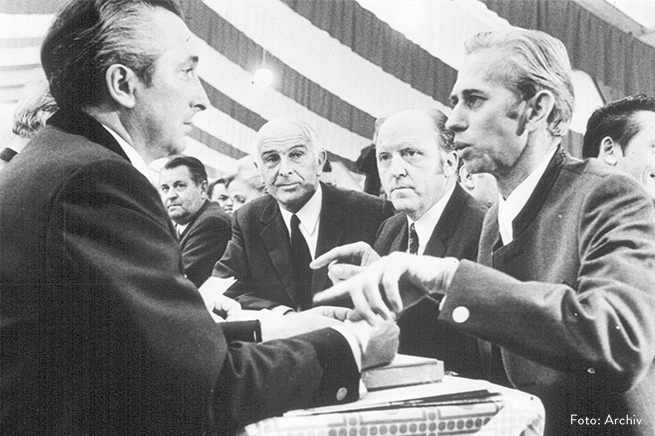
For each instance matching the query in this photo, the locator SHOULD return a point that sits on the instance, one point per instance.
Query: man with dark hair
(621, 134)
(217, 192)
(418, 165)
(563, 295)
(202, 227)
(101, 333)
(275, 237)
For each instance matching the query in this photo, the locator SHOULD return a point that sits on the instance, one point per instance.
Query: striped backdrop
(339, 64)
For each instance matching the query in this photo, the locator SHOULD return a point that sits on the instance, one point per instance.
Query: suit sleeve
(604, 321)
(204, 248)
(156, 351)
(267, 379)
(234, 263)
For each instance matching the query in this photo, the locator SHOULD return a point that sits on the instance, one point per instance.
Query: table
(505, 412)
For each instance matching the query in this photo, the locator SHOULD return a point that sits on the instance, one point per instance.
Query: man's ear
(538, 110)
(450, 164)
(465, 178)
(322, 157)
(610, 151)
(121, 85)
(204, 187)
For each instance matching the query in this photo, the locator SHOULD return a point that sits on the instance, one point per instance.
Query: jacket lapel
(187, 231)
(447, 223)
(399, 242)
(330, 233)
(275, 237)
(541, 192)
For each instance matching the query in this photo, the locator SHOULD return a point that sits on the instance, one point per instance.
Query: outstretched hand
(346, 261)
(376, 291)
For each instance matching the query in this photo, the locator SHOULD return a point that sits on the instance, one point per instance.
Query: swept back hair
(532, 61)
(88, 36)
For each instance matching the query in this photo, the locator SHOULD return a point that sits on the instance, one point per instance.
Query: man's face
(289, 165)
(413, 168)
(486, 117)
(222, 197)
(639, 154)
(163, 111)
(180, 194)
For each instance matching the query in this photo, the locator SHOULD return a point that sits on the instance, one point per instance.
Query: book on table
(404, 370)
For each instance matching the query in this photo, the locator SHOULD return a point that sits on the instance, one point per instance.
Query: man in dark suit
(101, 333)
(203, 228)
(621, 134)
(418, 169)
(270, 265)
(564, 295)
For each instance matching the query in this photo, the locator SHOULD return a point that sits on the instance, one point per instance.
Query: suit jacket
(204, 240)
(456, 234)
(101, 332)
(259, 254)
(571, 300)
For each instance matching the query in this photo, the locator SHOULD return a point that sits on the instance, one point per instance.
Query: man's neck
(533, 155)
(111, 120)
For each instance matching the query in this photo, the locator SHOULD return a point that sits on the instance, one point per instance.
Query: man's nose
(397, 166)
(456, 122)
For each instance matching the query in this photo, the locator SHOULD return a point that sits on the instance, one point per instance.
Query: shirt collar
(425, 225)
(309, 214)
(134, 156)
(509, 208)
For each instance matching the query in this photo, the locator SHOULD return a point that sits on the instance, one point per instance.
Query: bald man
(275, 237)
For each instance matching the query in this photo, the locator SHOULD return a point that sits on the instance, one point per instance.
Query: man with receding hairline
(418, 165)
(270, 265)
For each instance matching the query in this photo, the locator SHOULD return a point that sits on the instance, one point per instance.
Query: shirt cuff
(281, 310)
(357, 354)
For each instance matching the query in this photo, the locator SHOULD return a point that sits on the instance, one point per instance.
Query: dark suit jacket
(456, 234)
(259, 255)
(204, 240)
(571, 300)
(101, 333)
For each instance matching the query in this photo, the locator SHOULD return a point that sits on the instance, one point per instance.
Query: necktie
(413, 240)
(301, 257)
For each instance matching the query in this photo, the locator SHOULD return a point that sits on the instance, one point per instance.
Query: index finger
(337, 253)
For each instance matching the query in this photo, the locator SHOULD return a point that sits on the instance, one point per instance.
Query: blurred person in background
(621, 134)
(30, 116)
(217, 192)
(247, 183)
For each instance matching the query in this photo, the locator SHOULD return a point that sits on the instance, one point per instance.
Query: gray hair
(535, 61)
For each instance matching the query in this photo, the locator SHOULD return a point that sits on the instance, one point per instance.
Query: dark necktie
(301, 257)
(413, 240)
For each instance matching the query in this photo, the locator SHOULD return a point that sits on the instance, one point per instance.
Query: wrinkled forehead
(283, 134)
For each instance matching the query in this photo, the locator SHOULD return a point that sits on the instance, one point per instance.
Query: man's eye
(474, 101)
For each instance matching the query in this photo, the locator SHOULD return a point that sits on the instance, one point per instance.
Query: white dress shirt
(310, 218)
(135, 158)
(425, 225)
(509, 208)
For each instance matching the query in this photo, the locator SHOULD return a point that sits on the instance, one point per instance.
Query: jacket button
(460, 314)
(341, 394)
